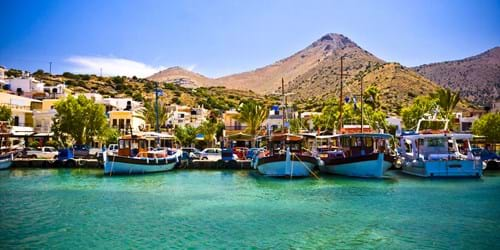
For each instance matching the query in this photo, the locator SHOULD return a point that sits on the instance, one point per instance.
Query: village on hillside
(32, 105)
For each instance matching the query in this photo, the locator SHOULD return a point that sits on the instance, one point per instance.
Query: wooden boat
(358, 155)
(6, 151)
(286, 158)
(140, 154)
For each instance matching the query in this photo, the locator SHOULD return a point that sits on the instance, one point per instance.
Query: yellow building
(123, 120)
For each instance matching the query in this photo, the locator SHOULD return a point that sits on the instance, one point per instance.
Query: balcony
(235, 127)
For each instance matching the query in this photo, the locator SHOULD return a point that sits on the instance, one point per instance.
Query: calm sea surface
(241, 209)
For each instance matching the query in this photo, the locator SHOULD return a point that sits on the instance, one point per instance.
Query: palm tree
(209, 129)
(148, 114)
(253, 115)
(447, 101)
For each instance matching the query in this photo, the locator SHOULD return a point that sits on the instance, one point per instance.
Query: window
(114, 123)
(121, 124)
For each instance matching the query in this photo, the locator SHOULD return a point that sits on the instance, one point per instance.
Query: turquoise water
(240, 209)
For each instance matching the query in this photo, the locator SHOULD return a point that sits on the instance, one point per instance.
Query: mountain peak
(332, 41)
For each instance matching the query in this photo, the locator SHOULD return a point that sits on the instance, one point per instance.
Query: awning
(50, 134)
(240, 137)
(21, 131)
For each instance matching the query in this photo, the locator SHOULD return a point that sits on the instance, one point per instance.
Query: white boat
(438, 153)
(286, 163)
(358, 155)
(136, 156)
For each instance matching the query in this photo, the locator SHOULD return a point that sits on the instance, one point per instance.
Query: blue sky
(217, 38)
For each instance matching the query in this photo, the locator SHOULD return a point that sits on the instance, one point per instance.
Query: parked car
(42, 152)
(112, 149)
(192, 153)
(241, 152)
(215, 154)
(212, 154)
(81, 151)
(489, 159)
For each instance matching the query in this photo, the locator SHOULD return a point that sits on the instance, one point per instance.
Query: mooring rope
(305, 165)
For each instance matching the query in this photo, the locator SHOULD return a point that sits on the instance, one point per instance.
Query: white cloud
(111, 66)
(191, 67)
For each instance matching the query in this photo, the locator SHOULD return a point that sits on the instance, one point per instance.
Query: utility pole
(362, 104)
(156, 109)
(341, 103)
(283, 103)
(50, 68)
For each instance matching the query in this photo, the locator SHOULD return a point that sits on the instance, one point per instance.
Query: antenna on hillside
(101, 72)
(50, 68)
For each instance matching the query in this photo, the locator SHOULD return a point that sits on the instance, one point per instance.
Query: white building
(184, 115)
(2, 76)
(27, 85)
(395, 122)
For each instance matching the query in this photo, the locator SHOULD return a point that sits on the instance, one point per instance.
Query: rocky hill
(265, 80)
(477, 77)
(181, 76)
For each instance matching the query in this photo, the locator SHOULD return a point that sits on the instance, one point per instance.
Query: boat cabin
(144, 145)
(278, 143)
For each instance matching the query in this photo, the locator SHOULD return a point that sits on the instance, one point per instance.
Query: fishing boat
(436, 152)
(285, 158)
(140, 154)
(6, 160)
(6, 151)
(358, 155)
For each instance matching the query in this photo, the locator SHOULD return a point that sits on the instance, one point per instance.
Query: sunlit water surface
(241, 209)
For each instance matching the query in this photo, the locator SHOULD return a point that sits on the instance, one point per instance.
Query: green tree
(329, 117)
(253, 115)
(5, 113)
(110, 135)
(297, 124)
(148, 114)
(209, 130)
(371, 97)
(185, 135)
(78, 120)
(447, 101)
(488, 125)
(411, 114)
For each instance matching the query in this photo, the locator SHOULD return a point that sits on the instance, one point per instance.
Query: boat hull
(444, 168)
(117, 165)
(374, 165)
(5, 161)
(279, 166)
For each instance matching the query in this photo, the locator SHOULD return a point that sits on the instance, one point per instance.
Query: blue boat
(136, 155)
(291, 162)
(358, 155)
(438, 153)
(6, 160)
